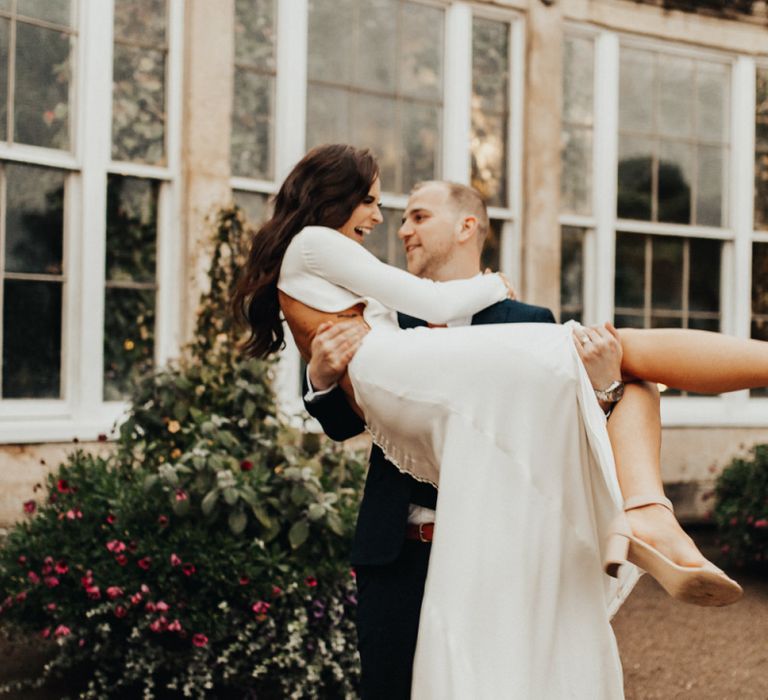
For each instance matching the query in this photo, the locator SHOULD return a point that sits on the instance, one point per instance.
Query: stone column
(541, 164)
(207, 109)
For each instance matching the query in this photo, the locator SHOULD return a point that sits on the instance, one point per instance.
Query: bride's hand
(511, 294)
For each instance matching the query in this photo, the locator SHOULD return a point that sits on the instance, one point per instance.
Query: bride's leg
(699, 361)
(635, 431)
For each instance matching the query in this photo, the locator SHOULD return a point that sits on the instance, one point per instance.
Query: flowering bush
(208, 555)
(741, 509)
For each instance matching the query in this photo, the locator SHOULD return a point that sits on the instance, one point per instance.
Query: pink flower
(22, 560)
(725, 548)
(199, 640)
(162, 520)
(21, 597)
(244, 580)
(30, 506)
(733, 521)
(261, 608)
(161, 606)
(93, 592)
(311, 581)
(188, 569)
(114, 592)
(135, 598)
(353, 573)
(33, 578)
(246, 465)
(116, 546)
(750, 519)
(121, 559)
(45, 633)
(61, 631)
(47, 566)
(276, 591)
(144, 588)
(51, 606)
(48, 117)
(761, 523)
(120, 611)
(175, 560)
(175, 626)
(181, 495)
(74, 514)
(150, 607)
(51, 581)
(111, 519)
(87, 580)
(61, 567)
(144, 563)
(159, 625)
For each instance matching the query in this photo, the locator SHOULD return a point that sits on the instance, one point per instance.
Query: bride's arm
(338, 259)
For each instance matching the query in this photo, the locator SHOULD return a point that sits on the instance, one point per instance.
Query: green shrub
(741, 509)
(208, 555)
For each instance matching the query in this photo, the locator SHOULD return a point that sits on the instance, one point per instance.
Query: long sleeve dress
(504, 419)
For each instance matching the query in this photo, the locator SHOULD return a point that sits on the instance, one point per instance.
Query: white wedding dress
(504, 417)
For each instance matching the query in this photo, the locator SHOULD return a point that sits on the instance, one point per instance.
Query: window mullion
(457, 93)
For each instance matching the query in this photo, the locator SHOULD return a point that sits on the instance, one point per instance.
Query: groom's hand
(333, 348)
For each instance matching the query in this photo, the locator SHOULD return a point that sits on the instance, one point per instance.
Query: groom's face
(429, 230)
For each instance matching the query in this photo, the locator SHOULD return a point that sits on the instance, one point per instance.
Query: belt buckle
(421, 533)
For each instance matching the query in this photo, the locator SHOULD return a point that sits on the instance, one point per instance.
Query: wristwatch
(612, 394)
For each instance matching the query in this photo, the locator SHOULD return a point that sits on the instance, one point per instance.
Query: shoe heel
(616, 551)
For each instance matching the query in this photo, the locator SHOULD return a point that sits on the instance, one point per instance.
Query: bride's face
(366, 215)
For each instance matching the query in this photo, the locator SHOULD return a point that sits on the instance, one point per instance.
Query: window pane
(331, 24)
(636, 90)
(572, 273)
(490, 109)
(129, 323)
(41, 108)
(34, 220)
(31, 341)
(374, 126)
(138, 108)
(578, 80)
(491, 256)
(4, 29)
(713, 101)
(251, 146)
(384, 242)
(761, 152)
(675, 168)
(329, 108)
(375, 64)
(421, 51)
(760, 278)
(576, 176)
(676, 97)
(56, 11)
(667, 273)
(630, 271)
(704, 289)
(635, 178)
(709, 199)
(421, 142)
(131, 229)
(255, 206)
(255, 33)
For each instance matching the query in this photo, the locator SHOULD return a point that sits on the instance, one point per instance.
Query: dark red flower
(244, 580)
(762, 523)
(144, 563)
(199, 640)
(21, 597)
(45, 633)
(181, 495)
(51, 581)
(276, 591)
(22, 560)
(62, 486)
(102, 437)
(61, 567)
(114, 592)
(30, 506)
(188, 569)
(121, 559)
(175, 559)
(93, 592)
(33, 577)
(311, 581)
(111, 519)
(246, 465)
(120, 611)
(162, 520)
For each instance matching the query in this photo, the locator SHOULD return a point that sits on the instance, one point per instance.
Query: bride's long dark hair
(323, 189)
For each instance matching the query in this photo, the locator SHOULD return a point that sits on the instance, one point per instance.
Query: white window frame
(735, 409)
(83, 413)
(290, 131)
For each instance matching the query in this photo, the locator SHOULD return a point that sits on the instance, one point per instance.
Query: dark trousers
(388, 607)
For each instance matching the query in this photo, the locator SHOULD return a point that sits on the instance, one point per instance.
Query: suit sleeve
(335, 415)
(546, 316)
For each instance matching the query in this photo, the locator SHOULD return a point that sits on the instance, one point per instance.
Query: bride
(517, 603)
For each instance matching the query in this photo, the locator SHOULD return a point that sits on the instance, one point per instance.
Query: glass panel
(491, 256)
(676, 97)
(255, 33)
(572, 273)
(760, 332)
(490, 65)
(635, 178)
(663, 321)
(255, 206)
(421, 51)
(131, 229)
(142, 21)
(41, 109)
(251, 147)
(704, 285)
(374, 127)
(329, 120)
(636, 93)
(421, 142)
(5, 4)
(713, 99)
(630, 271)
(331, 24)
(704, 324)
(4, 29)
(129, 323)
(138, 107)
(710, 190)
(32, 341)
(488, 148)
(578, 80)
(760, 278)
(56, 11)
(667, 273)
(761, 155)
(675, 168)
(378, 242)
(34, 220)
(375, 61)
(576, 176)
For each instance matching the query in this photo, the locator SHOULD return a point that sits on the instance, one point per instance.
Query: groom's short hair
(467, 201)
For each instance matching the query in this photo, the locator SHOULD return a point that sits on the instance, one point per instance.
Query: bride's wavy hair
(323, 189)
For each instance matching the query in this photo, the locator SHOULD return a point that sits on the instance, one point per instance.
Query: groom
(443, 231)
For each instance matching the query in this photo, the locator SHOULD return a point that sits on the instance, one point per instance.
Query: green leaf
(150, 481)
(316, 512)
(334, 522)
(209, 501)
(180, 507)
(237, 521)
(231, 496)
(262, 517)
(298, 533)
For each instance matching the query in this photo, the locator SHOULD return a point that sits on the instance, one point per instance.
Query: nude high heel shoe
(699, 585)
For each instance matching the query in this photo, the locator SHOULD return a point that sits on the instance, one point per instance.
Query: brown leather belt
(421, 533)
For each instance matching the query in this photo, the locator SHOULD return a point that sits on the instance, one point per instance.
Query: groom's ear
(468, 228)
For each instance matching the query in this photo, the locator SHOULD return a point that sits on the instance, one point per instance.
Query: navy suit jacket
(388, 492)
